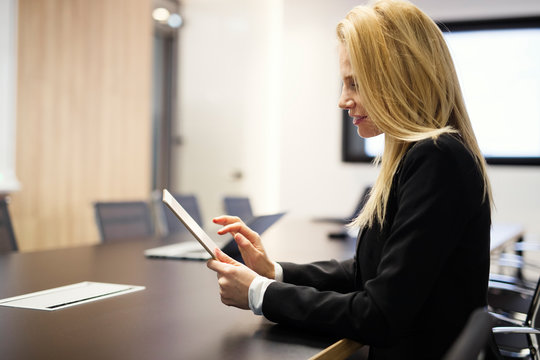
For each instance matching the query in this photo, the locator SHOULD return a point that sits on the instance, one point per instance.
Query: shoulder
(440, 168)
(446, 146)
(444, 161)
(447, 151)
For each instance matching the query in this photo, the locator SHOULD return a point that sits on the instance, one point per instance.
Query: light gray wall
(8, 66)
(259, 85)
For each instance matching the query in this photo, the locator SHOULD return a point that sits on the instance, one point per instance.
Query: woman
(422, 259)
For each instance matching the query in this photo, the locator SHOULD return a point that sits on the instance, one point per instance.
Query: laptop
(198, 250)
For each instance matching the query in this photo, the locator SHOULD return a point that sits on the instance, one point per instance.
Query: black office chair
(520, 338)
(8, 242)
(475, 340)
(123, 220)
(166, 222)
(238, 206)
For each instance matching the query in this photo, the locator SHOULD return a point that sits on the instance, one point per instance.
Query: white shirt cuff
(278, 270)
(256, 292)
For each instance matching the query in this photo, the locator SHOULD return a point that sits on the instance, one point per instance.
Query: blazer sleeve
(322, 275)
(436, 195)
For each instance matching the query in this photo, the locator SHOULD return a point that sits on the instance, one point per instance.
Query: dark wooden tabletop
(178, 315)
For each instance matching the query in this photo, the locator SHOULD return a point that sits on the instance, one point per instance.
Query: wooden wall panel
(83, 115)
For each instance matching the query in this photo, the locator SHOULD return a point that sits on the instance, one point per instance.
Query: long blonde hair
(405, 74)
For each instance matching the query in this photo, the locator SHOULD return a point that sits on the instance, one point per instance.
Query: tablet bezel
(202, 237)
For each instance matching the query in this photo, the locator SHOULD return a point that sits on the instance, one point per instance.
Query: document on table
(70, 295)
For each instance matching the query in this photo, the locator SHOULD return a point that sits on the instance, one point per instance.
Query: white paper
(70, 295)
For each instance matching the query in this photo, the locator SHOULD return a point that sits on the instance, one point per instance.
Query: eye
(349, 83)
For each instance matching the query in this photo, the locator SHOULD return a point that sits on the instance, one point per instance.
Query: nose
(345, 101)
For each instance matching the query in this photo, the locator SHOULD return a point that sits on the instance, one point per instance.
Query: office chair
(8, 241)
(526, 346)
(475, 339)
(238, 206)
(474, 342)
(166, 222)
(122, 220)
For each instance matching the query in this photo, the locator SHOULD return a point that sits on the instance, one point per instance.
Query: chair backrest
(533, 315)
(191, 205)
(122, 220)
(530, 328)
(474, 338)
(533, 321)
(238, 206)
(166, 221)
(8, 241)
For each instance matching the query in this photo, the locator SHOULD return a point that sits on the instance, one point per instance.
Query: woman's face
(350, 98)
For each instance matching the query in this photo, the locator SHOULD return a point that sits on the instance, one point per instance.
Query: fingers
(216, 265)
(224, 258)
(238, 227)
(234, 281)
(242, 241)
(226, 219)
(234, 225)
(222, 263)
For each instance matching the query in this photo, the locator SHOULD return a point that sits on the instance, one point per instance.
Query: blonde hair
(405, 74)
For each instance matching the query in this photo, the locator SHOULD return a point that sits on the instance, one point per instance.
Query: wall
(8, 71)
(232, 106)
(229, 82)
(83, 115)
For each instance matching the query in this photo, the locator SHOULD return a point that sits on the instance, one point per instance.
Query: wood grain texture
(339, 350)
(83, 115)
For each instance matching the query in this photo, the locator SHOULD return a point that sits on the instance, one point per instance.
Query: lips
(358, 119)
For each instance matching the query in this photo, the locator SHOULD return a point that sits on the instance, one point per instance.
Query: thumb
(221, 256)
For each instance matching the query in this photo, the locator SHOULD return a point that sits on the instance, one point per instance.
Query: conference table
(177, 316)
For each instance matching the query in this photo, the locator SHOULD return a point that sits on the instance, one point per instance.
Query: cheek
(368, 130)
(360, 107)
(374, 129)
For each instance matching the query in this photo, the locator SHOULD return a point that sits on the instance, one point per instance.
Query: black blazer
(413, 283)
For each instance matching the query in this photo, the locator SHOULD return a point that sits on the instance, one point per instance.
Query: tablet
(207, 243)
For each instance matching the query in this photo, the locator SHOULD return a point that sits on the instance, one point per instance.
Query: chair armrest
(513, 280)
(510, 287)
(514, 330)
(506, 318)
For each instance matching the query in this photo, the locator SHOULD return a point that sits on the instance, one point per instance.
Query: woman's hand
(249, 244)
(234, 280)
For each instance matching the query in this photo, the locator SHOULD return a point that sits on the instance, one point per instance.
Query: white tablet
(208, 244)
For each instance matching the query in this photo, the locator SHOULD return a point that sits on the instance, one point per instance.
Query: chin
(366, 134)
